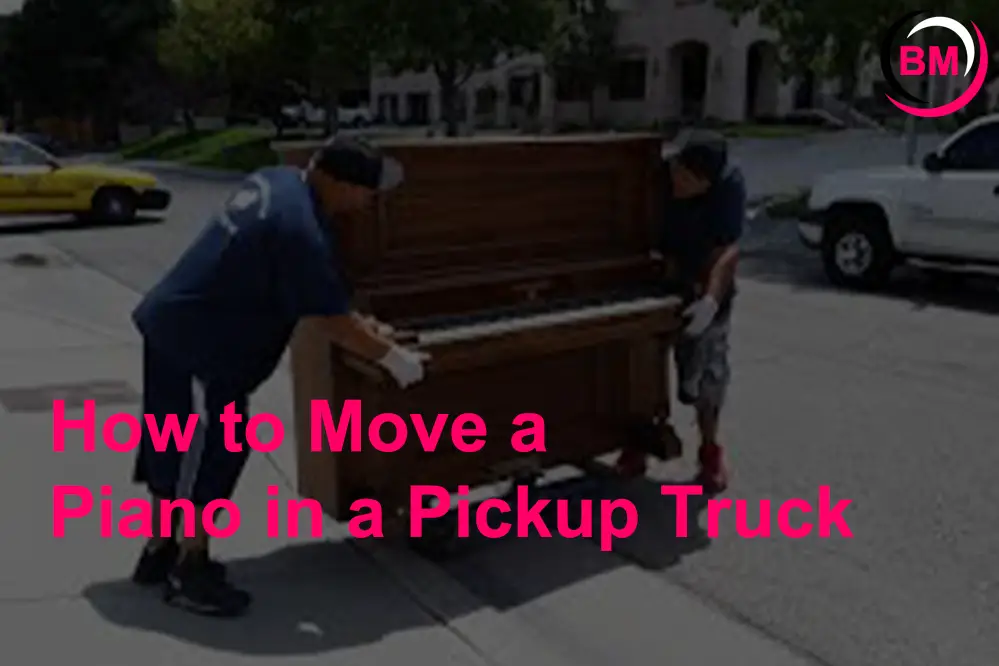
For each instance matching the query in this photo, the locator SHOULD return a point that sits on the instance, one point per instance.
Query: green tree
(87, 53)
(583, 46)
(832, 37)
(326, 46)
(454, 38)
(212, 43)
(827, 37)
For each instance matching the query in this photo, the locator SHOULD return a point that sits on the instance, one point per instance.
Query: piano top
(402, 140)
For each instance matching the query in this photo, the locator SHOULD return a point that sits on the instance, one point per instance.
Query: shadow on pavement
(49, 225)
(510, 572)
(309, 599)
(922, 289)
(322, 597)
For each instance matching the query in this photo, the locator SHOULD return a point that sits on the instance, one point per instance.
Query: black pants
(207, 471)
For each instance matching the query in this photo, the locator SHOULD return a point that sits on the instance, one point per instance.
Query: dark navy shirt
(694, 229)
(227, 309)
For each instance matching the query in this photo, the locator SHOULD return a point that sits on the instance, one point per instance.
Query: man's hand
(405, 365)
(701, 313)
(379, 327)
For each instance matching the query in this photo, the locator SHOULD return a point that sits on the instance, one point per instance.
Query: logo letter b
(910, 62)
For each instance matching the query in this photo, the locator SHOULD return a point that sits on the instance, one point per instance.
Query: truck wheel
(857, 250)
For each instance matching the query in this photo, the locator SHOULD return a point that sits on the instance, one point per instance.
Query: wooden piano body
(502, 256)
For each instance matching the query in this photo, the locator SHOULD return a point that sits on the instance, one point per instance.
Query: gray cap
(705, 153)
(357, 162)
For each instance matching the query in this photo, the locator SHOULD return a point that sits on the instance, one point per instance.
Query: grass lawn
(155, 146)
(235, 148)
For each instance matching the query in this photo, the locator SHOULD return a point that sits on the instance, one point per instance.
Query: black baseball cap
(705, 153)
(357, 162)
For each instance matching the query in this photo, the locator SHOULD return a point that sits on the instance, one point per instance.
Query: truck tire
(857, 249)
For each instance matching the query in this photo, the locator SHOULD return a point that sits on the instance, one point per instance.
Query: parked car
(942, 214)
(359, 116)
(306, 114)
(33, 181)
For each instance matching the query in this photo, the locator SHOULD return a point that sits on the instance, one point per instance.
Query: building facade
(679, 60)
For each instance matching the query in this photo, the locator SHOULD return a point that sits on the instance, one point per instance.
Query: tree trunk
(447, 79)
(189, 125)
(331, 117)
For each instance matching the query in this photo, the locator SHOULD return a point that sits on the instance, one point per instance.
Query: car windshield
(18, 152)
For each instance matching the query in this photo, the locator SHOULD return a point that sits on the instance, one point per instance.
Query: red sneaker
(631, 463)
(712, 476)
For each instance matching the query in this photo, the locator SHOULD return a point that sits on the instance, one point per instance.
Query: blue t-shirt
(694, 229)
(227, 309)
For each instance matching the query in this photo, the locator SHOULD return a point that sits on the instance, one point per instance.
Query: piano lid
(489, 203)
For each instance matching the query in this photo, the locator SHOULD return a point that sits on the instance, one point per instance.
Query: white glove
(701, 313)
(405, 365)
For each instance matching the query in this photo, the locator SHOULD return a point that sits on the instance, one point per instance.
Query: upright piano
(523, 266)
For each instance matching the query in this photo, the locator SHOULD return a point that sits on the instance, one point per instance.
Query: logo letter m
(943, 63)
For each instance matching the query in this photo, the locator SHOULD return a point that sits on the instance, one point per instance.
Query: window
(978, 150)
(485, 100)
(628, 81)
(418, 108)
(17, 153)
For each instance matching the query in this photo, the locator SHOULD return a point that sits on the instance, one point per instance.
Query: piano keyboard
(495, 326)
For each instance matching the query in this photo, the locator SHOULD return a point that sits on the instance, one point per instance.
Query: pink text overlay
(605, 520)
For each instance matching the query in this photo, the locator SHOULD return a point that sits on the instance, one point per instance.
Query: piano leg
(651, 432)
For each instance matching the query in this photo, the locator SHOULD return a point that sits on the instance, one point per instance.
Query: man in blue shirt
(216, 327)
(703, 220)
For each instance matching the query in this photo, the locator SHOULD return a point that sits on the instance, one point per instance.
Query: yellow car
(34, 182)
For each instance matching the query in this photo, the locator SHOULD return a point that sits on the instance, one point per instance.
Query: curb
(186, 170)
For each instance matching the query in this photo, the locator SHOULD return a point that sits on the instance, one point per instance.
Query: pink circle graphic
(965, 98)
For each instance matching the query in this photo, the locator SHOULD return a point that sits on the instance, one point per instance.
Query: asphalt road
(889, 400)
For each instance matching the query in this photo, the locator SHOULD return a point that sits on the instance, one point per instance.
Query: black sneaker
(193, 586)
(155, 564)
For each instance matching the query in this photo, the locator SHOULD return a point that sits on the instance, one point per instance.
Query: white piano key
(501, 327)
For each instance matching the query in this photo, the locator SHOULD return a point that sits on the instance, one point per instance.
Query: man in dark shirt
(216, 327)
(703, 221)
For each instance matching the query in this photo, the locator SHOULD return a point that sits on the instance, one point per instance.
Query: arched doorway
(688, 79)
(762, 81)
(523, 94)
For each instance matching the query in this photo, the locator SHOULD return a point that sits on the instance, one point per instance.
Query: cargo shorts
(702, 366)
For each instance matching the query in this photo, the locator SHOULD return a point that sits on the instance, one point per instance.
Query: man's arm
(721, 277)
(311, 287)
(353, 333)
(729, 213)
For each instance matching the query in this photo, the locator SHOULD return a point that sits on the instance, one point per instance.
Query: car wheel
(857, 250)
(114, 205)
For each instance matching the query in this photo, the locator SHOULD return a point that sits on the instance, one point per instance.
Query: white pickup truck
(942, 215)
(306, 114)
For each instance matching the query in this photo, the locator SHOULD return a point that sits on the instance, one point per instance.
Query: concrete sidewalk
(66, 333)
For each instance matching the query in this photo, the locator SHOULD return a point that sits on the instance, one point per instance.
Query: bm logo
(933, 60)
